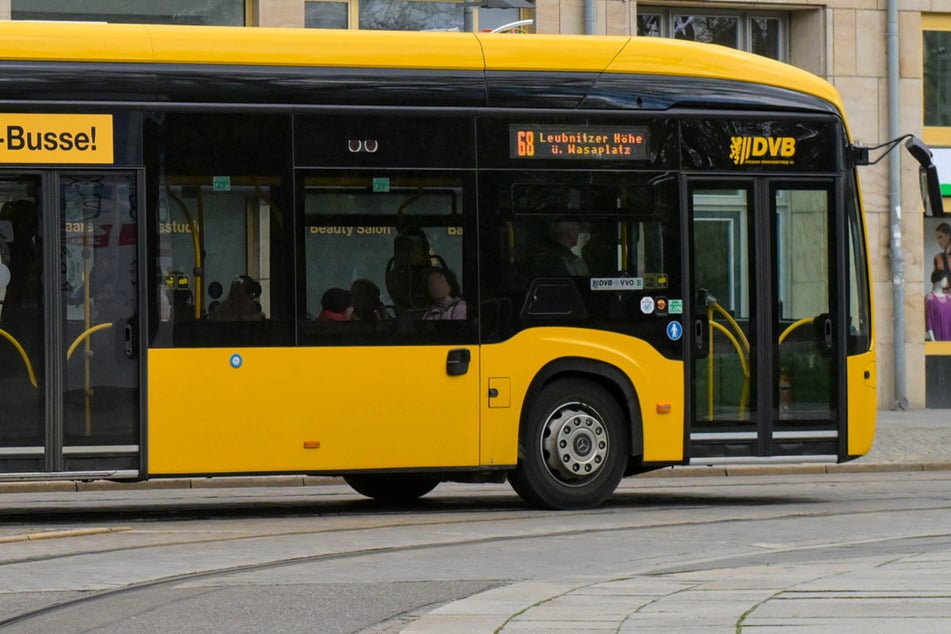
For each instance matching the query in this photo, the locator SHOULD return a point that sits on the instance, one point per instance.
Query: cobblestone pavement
(914, 437)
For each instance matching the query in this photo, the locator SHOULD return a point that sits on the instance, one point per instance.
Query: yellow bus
(407, 258)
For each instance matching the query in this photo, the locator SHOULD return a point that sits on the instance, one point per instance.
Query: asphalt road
(820, 552)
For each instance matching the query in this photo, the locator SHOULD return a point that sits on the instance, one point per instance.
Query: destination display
(569, 142)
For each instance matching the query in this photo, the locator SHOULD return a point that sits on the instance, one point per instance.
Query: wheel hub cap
(575, 443)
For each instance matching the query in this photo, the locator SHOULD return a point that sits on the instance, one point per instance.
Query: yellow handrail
(743, 363)
(26, 358)
(731, 321)
(196, 246)
(742, 351)
(87, 388)
(710, 365)
(82, 337)
(736, 344)
(87, 322)
(794, 325)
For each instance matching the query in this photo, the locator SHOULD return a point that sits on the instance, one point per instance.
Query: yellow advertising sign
(56, 138)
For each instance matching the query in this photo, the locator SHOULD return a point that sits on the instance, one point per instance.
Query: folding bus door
(69, 374)
(764, 345)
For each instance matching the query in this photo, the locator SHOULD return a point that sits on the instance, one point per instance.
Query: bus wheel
(572, 447)
(393, 488)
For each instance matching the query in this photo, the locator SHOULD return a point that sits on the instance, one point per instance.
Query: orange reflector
(663, 407)
(311, 444)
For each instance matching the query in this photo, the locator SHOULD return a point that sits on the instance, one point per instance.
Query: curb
(813, 469)
(235, 482)
(74, 532)
(224, 482)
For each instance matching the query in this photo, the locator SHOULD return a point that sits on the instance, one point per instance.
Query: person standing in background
(942, 259)
(938, 308)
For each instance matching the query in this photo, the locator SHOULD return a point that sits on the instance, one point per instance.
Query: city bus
(410, 258)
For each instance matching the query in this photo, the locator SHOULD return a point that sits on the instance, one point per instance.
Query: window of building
(204, 12)
(936, 102)
(937, 77)
(321, 14)
(763, 34)
(936, 58)
(401, 15)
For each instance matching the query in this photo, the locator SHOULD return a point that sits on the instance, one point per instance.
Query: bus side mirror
(931, 191)
(928, 177)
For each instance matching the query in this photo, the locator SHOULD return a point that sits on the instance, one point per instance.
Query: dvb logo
(760, 149)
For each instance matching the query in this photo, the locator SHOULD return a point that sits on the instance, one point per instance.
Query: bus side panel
(510, 366)
(269, 410)
(863, 402)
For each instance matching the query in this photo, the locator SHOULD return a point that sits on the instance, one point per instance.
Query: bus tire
(572, 447)
(392, 488)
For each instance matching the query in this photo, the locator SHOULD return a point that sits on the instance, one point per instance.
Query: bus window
(215, 254)
(860, 326)
(598, 251)
(378, 237)
(220, 263)
(22, 303)
(723, 268)
(806, 362)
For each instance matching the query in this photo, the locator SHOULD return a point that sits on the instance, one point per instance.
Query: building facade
(846, 41)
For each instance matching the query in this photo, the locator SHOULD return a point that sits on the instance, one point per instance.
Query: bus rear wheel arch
(573, 446)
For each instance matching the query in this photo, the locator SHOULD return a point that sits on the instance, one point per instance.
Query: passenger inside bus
(241, 303)
(367, 305)
(555, 257)
(445, 297)
(336, 305)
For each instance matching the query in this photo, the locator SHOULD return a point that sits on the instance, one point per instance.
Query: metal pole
(589, 17)
(467, 18)
(894, 204)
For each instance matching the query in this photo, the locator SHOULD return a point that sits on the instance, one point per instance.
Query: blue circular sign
(236, 361)
(674, 330)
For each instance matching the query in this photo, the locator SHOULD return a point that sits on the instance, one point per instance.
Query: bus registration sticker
(617, 283)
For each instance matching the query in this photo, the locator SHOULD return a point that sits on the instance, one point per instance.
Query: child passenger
(336, 305)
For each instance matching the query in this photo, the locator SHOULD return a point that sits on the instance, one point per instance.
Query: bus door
(69, 377)
(765, 339)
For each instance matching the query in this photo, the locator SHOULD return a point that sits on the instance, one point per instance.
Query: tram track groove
(485, 523)
(520, 515)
